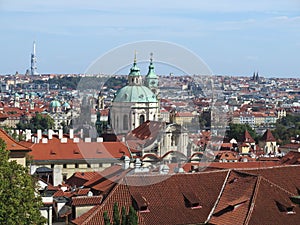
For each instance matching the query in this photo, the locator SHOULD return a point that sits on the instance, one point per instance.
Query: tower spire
(33, 61)
(134, 60)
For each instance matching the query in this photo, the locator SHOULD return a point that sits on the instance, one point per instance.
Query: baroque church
(136, 102)
(135, 115)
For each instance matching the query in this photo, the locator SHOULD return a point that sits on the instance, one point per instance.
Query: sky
(233, 37)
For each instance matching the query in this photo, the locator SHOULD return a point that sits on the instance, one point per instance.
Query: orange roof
(86, 200)
(11, 144)
(268, 136)
(55, 150)
(247, 137)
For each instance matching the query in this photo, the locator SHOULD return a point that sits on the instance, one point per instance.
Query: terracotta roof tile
(11, 144)
(268, 136)
(55, 150)
(86, 200)
(165, 205)
(247, 137)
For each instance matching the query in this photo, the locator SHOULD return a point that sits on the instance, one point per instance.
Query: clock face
(153, 82)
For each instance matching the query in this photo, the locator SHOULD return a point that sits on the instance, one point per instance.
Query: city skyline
(232, 37)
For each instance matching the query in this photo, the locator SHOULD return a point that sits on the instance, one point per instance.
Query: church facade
(137, 102)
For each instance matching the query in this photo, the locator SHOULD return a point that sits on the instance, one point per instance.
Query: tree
(106, 218)
(123, 215)
(132, 218)
(236, 131)
(38, 122)
(116, 215)
(19, 203)
(287, 127)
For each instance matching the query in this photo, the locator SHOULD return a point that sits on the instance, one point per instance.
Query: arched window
(142, 119)
(125, 122)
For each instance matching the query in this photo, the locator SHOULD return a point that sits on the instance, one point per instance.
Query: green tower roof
(134, 70)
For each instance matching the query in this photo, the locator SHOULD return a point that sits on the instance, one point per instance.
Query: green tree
(19, 203)
(106, 218)
(236, 131)
(116, 214)
(286, 128)
(38, 122)
(123, 215)
(132, 218)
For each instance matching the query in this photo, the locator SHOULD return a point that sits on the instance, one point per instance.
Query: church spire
(134, 77)
(151, 80)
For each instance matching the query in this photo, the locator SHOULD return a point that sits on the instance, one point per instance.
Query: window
(191, 200)
(125, 122)
(231, 206)
(142, 119)
(139, 202)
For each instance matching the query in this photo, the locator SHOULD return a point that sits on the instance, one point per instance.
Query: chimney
(71, 133)
(99, 139)
(27, 135)
(138, 166)
(50, 134)
(164, 169)
(76, 140)
(88, 139)
(39, 135)
(126, 162)
(60, 134)
(64, 140)
(81, 133)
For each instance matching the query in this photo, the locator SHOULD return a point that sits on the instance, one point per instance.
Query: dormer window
(52, 152)
(139, 202)
(191, 200)
(232, 206)
(284, 208)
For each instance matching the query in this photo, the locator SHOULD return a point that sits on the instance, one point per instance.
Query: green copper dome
(54, 104)
(135, 94)
(151, 73)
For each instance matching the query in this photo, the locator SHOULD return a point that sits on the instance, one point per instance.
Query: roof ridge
(247, 219)
(219, 196)
(276, 185)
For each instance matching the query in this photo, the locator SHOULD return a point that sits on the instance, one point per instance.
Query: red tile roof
(87, 200)
(247, 137)
(166, 205)
(291, 158)
(235, 201)
(79, 178)
(11, 144)
(55, 150)
(252, 196)
(268, 136)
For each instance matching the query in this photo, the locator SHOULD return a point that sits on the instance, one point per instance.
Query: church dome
(54, 104)
(66, 105)
(135, 94)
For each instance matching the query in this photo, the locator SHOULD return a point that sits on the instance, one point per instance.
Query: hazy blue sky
(234, 37)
